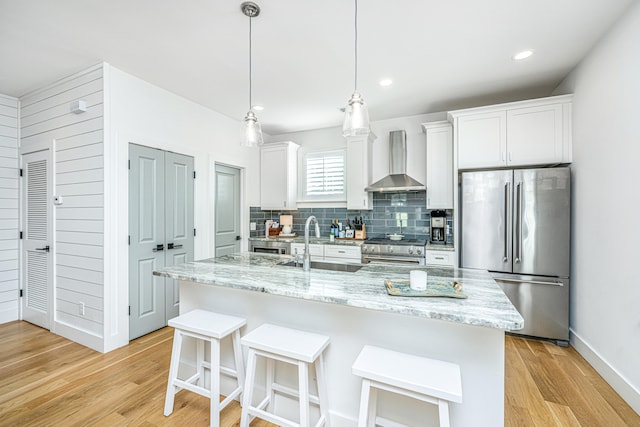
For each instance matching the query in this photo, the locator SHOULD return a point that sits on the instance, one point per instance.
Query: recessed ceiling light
(523, 55)
(257, 107)
(386, 82)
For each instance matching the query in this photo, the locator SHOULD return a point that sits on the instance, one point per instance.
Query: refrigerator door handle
(518, 242)
(534, 282)
(505, 254)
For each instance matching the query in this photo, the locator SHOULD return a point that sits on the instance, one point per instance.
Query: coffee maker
(438, 225)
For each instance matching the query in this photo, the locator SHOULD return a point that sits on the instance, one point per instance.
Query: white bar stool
(205, 326)
(428, 380)
(300, 348)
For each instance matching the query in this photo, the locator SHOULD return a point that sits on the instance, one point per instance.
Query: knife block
(361, 234)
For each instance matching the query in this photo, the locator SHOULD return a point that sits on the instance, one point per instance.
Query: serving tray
(435, 288)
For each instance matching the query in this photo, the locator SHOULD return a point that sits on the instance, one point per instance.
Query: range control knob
(419, 251)
(410, 250)
(390, 249)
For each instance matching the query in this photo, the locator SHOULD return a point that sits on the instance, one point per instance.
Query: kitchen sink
(317, 265)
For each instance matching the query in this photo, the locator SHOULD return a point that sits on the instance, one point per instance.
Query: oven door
(384, 259)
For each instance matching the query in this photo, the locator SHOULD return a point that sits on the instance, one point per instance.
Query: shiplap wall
(9, 210)
(79, 179)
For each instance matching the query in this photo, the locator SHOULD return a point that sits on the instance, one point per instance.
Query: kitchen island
(353, 309)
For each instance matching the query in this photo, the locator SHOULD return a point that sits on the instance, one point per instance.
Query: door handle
(45, 249)
(172, 246)
(518, 233)
(158, 248)
(505, 255)
(238, 238)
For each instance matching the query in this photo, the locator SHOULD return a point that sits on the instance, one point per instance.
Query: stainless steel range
(385, 250)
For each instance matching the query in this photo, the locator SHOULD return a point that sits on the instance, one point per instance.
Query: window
(324, 175)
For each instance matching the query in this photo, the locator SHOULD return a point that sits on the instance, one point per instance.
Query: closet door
(147, 240)
(37, 256)
(179, 222)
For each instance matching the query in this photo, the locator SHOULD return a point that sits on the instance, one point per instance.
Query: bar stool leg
(367, 410)
(373, 406)
(214, 407)
(248, 389)
(173, 372)
(199, 361)
(443, 409)
(303, 380)
(322, 390)
(271, 405)
(237, 354)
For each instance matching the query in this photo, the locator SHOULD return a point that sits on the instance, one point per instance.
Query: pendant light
(251, 131)
(356, 114)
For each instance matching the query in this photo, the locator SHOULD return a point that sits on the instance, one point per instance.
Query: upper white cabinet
(359, 150)
(525, 133)
(439, 136)
(279, 176)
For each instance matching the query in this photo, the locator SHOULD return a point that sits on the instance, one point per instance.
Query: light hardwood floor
(46, 380)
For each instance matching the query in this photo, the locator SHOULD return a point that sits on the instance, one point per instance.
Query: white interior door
(147, 240)
(227, 210)
(179, 222)
(37, 257)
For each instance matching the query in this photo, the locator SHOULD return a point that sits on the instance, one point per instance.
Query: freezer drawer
(543, 302)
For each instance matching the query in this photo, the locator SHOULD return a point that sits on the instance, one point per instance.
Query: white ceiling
(440, 54)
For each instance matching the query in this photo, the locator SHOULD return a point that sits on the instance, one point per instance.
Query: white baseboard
(619, 383)
(81, 337)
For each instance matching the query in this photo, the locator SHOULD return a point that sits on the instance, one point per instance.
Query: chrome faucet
(306, 258)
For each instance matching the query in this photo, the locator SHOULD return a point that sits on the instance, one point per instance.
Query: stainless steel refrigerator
(516, 224)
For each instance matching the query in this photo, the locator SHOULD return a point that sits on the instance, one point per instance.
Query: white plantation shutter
(324, 176)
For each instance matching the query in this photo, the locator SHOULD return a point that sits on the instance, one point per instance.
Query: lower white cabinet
(444, 258)
(316, 250)
(329, 253)
(342, 254)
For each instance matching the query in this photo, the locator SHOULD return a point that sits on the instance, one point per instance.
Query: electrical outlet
(81, 306)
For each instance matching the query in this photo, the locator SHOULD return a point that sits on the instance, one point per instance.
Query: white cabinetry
(443, 258)
(279, 176)
(359, 150)
(329, 253)
(315, 250)
(525, 133)
(439, 137)
(342, 254)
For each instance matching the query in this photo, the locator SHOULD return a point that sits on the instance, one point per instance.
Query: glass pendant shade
(251, 131)
(356, 117)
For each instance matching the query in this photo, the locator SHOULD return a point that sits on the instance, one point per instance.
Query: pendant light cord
(355, 83)
(250, 106)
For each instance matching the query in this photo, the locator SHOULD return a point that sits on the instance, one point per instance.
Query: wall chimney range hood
(397, 180)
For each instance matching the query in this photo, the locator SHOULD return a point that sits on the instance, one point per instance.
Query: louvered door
(36, 246)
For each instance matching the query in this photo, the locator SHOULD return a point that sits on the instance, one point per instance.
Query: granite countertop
(486, 305)
(314, 240)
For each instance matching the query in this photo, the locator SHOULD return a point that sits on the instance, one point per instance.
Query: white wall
(605, 294)
(77, 143)
(145, 114)
(331, 138)
(9, 210)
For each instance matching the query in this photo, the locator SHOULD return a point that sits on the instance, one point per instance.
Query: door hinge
(129, 310)
(194, 232)
(21, 172)
(129, 166)
(20, 235)
(194, 174)
(129, 240)
(21, 293)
